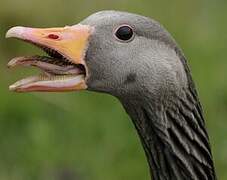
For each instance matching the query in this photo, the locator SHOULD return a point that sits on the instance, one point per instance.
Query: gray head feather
(150, 56)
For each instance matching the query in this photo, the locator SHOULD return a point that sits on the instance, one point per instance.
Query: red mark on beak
(53, 36)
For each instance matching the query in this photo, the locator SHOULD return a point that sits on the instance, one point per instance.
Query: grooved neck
(174, 139)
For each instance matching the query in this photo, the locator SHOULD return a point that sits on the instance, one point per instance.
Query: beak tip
(9, 66)
(12, 87)
(14, 32)
(12, 62)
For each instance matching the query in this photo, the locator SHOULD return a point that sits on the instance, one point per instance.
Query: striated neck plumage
(174, 139)
(173, 134)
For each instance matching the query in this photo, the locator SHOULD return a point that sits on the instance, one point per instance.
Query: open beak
(64, 69)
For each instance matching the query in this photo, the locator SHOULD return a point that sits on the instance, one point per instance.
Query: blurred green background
(81, 136)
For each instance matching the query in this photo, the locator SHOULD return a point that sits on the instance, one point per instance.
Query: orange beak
(69, 42)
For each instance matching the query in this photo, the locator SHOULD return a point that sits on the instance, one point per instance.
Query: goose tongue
(58, 75)
(49, 65)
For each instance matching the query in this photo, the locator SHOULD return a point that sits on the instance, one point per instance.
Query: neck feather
(174, 138)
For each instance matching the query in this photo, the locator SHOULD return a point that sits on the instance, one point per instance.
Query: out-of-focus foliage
(88, 135)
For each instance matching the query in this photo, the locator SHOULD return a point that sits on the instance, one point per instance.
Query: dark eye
(124, 33)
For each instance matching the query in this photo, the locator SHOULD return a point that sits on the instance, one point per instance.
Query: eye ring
(124, 33)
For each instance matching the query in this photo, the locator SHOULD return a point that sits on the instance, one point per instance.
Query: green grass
(88, 135)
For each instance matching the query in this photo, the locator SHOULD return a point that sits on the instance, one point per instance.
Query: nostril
(53, 36)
